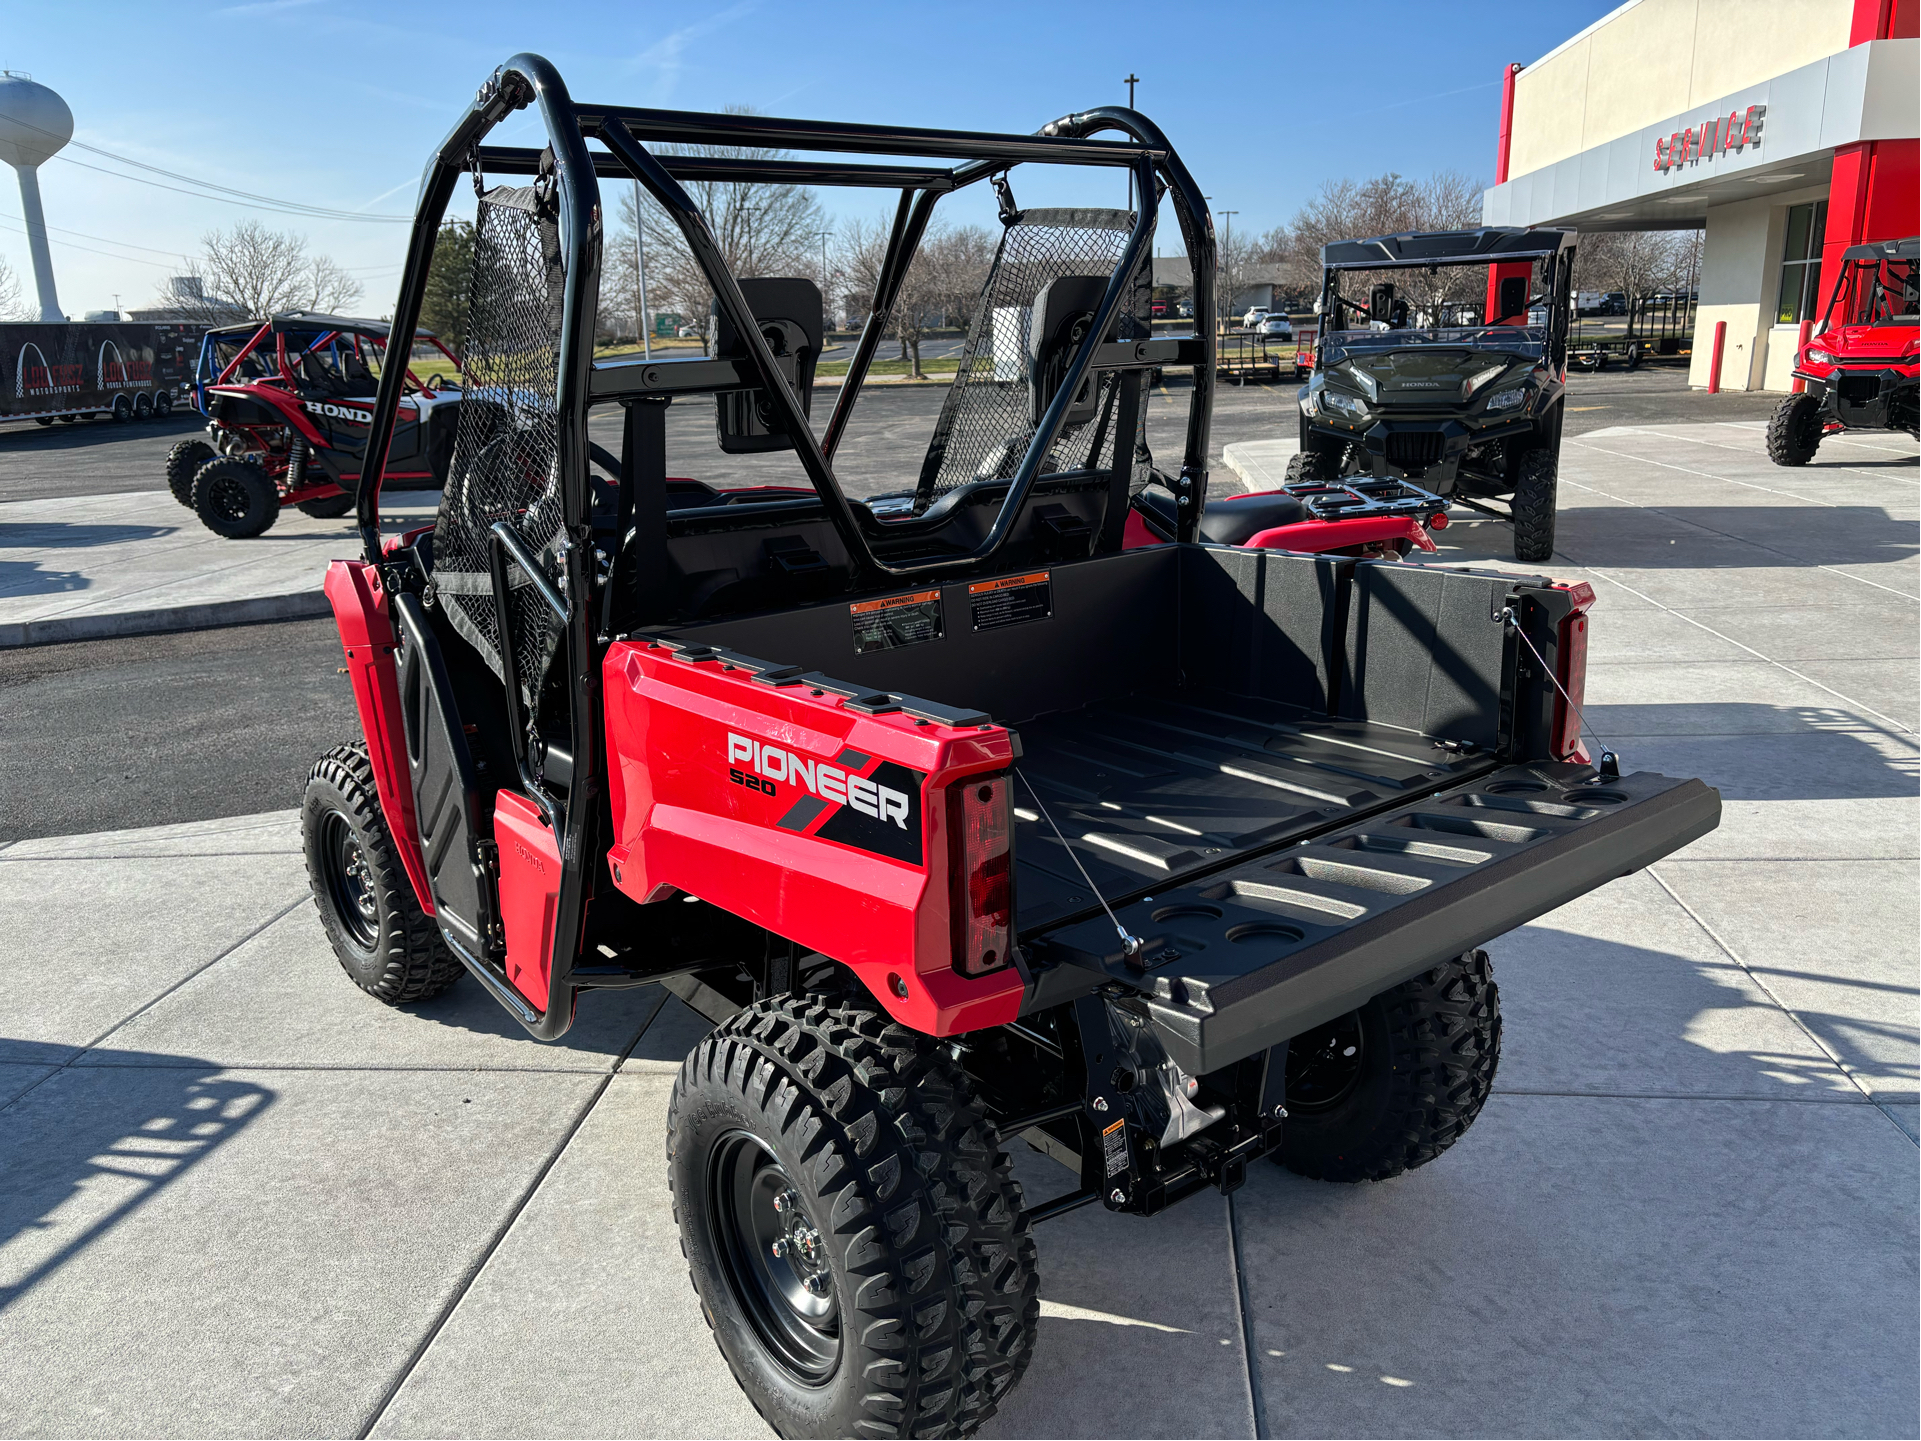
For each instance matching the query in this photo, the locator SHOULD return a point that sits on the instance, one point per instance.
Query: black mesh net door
(987, 421)
(505, 462)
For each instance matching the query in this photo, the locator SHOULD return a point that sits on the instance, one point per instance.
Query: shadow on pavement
(1768, 536)
(79, 434)
(1744, 750)
(58, 535)
(79, 1164)
(26, 577)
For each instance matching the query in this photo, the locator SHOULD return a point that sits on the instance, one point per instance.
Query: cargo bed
(1291, 777)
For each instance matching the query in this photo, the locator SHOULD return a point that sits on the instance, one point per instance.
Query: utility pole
(640, 265)
(1227, 247)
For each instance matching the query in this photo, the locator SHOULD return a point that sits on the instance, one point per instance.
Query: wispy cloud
(265, 7)
(665, 57)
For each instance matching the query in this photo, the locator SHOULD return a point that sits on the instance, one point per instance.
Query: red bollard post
(1800, 349)
(1714, 365)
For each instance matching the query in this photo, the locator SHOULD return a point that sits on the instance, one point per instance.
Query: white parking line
(1743, 450)
(1704, 474)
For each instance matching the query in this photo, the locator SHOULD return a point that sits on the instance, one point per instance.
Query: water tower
(34, 124)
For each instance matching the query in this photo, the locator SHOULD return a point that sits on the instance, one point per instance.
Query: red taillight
(1570, 664)
(980, 862)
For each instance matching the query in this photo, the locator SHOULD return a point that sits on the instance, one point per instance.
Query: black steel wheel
(1794, 430)
(183, 463)
(1390, 1086)
(122, 409)
(384, 941)
(162, 402)
(234, 499)
(143, 407)
(851, 1225)
(1633, 359)
(1325, 1065)
(776, 1257)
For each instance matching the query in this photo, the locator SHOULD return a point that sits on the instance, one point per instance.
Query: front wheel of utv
(850, 1223)
(1536, 489)
(387, 945)
(1315, 465)
(234, 499)
(1794, 430)
(1390, 1086)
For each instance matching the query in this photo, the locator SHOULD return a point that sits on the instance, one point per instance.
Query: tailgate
(1244, 958)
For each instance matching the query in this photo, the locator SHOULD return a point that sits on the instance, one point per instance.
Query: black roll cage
(624, 131)
(529, 79)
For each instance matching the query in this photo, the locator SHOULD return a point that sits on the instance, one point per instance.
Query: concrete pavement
(239, 1197)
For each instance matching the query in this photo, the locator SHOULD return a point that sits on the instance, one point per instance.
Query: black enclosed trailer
(119, 370)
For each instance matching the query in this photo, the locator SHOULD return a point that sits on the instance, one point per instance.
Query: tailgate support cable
(1130, 944)
(1610, 767)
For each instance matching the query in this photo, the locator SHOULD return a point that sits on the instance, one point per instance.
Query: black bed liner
(1148, 789)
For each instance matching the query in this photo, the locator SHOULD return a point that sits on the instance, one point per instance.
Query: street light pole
(640, 265)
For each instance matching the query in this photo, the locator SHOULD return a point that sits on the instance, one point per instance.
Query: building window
(1801, 264)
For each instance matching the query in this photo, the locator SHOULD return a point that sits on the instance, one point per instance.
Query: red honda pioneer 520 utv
(287, 421)
(1861, 369)
(962, 820)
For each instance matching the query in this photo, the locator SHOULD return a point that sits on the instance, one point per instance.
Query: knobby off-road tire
(183, 463)
(328, 507)
(1314, 465)
(235, 499)
(1390, 1086)
(1794, 430)
(387, 945)
(903, 1209)
(1536, 483)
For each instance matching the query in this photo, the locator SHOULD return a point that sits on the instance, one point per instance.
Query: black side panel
(1110, 628)
(446, 793)
(1262, 623)
(1426, 650)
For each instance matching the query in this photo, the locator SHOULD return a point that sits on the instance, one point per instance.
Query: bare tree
(328, 285)
(1391, 204)
(1636, 262)
(762, 230)
(253, 271)
(13, 304)
(941, 285)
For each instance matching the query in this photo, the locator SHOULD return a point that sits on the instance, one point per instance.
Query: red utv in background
(1861, 370)
(287, 419)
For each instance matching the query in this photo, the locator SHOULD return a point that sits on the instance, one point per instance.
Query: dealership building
(1786, 128)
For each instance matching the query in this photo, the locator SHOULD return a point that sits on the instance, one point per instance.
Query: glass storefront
(1801, 264)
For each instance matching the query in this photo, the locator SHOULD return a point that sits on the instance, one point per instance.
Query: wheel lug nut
(779, 1248)
(816, 1284)
(784, 1202)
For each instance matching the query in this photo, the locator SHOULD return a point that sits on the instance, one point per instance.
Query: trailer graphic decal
(855, 799)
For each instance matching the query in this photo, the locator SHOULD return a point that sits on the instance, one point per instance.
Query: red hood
(1880, 342)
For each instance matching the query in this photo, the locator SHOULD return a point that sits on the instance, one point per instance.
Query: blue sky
(337, 102)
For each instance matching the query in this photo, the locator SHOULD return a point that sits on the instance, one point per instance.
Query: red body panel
(367, 636)
(529, 893)
(780, 804)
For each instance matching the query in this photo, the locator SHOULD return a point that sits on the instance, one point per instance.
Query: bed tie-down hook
(1610, 766)
(1130, 943)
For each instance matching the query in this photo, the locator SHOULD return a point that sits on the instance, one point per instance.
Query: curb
(302, 605)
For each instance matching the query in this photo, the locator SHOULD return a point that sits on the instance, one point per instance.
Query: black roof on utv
(1909, 249)
(313, 320)
(1444, 247)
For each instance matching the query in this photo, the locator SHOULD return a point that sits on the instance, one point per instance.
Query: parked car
(1185, 309)
(1255, 315)
(1277, 326)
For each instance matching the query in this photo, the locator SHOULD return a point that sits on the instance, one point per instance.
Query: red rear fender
(367, 636)
(824, 824)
